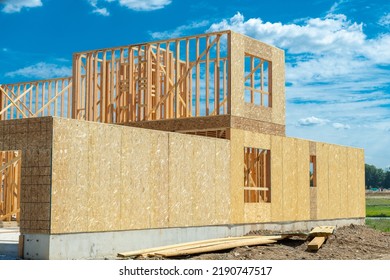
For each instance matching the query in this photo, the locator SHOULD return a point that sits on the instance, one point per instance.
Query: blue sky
(337, 52)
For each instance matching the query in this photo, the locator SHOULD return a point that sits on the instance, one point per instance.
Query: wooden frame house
(163, 142)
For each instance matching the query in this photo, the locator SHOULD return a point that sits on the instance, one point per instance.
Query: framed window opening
(257, 175)
(10, 182)
(257, 81)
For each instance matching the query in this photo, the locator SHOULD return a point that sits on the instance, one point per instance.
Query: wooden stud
(207, 75)
(158, 113)
(111, 93)
(316, 243)
(197, 94)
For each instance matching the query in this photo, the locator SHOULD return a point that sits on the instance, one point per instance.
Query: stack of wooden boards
(320, 234)
(203, 246)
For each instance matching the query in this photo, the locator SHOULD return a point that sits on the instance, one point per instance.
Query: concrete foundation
(108, 244)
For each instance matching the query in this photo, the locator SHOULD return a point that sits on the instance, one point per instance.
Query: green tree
(375, 177)
(386, 180)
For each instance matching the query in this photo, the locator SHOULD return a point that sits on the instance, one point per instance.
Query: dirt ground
(348, 243)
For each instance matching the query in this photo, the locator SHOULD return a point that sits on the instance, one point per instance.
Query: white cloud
(332, 33)
(179, 31)
(136, 5)
(97, 10)
(41, 70)
(101, 11)
(336, 6)
(312, 121)
(378, 49)
(145, 5)
(333, 70)
(15, 6)
(385, 20)
(341, 126)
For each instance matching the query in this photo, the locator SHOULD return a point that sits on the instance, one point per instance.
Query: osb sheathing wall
(33, 137)
(108, 177)
(340, 180)
(240, 45)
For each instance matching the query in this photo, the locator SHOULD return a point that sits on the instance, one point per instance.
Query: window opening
(257, 81)
(257, 175)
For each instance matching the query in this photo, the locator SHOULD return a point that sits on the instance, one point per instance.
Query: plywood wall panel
(334, 178)
(98, 177)
(128, 204)
(114, 136)
(222, 183)
(277, 209)
(257, 140)
(159, 184)
(138, 180)
(303, 185)
(237, 175)
(343, 181)
(352, 183)
(204, 191)
(69, 209)
(141, 155)
(159, 179)
(257, 212)
(290, 179)
(278, 87)
(180, 182)
(322, 181)
(361, 184)
(134, 178)
(104, 183)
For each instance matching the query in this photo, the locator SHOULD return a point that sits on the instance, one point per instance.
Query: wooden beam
(75, 87)
(316, 243)
(197, 75)
(207, 75)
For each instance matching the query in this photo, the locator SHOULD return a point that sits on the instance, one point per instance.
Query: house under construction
(165, 142)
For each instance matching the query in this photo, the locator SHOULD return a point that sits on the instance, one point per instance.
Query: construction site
(165, 142)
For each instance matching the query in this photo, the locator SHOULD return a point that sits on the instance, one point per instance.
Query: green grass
(379, 224)
(377, 201)
(377, 211)
(378, 206)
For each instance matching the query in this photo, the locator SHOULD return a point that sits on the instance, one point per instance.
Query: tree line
(377, 177)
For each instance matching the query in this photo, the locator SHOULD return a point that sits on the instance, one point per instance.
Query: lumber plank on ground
(322, 231)
(316, 243)
(213, 247)
(149, 251)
